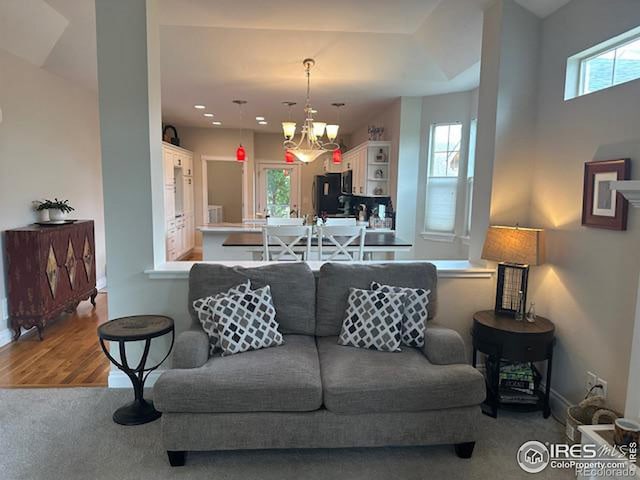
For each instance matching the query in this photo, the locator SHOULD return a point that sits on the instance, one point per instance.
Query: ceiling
(368, 52)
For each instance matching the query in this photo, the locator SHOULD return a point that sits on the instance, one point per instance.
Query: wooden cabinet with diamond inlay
(51, 269)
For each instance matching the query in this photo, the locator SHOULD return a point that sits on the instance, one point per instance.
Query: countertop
(227, 227)
(372, 239)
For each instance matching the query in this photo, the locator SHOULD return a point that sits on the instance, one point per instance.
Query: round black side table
(503, 337)
(135, 329)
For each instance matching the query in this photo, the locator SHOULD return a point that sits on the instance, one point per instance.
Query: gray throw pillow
(205, 315)
(414, 320)
(373, 320)
(246, 321)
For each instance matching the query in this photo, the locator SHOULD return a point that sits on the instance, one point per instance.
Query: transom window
(610, 63)
(612, 67)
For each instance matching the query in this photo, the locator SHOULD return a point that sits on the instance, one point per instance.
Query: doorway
(278, 190)
(224, 192)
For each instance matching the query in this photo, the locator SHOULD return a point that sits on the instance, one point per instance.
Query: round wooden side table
(503, 337)
(134, 329)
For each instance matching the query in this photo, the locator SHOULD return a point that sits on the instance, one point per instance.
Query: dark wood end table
(134, 329)
(503, 337)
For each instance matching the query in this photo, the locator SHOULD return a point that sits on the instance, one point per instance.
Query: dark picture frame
(601, 206)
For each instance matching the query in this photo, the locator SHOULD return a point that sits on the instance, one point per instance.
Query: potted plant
(57, 209)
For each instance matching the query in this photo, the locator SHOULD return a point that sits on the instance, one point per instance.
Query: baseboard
(118, 379)
(6, 336)
(101, 283)
(559, 406)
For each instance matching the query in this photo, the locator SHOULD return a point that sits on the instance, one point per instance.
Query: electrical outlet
(604, 390)
(591, 380)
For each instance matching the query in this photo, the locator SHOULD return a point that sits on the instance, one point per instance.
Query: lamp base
(511, 289)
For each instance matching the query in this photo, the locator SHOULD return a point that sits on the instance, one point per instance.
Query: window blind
(441, 204)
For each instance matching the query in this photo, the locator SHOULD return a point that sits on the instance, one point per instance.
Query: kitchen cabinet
(370, 164)
(178, 201)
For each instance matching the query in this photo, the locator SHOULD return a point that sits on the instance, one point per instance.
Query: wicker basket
(591, 411)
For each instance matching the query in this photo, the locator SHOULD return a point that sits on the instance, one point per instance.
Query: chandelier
(310, 145)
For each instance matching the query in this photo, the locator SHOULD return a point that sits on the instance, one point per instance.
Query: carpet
(68, 434)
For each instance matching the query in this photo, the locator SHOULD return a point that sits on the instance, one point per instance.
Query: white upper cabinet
(370, 166)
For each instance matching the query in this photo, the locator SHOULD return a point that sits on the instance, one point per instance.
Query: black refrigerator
(326, 190)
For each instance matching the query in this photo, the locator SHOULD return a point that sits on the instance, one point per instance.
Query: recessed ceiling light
(216, 123)
(313, 110)
(199, 107)
(208, 114)
(259, 119)
(262, 122)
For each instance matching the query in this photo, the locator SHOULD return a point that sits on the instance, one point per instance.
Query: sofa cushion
(336, 279)
(277, 379)
(292, 288)
(356, 380)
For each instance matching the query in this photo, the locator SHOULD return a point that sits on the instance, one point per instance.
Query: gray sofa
(312, 392)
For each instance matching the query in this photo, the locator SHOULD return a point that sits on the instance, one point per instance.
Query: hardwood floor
(194, 257)
(69, 355)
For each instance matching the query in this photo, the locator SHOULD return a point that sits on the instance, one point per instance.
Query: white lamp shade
(332, 132)
(289, 129)
(306, 155)
(318, 129)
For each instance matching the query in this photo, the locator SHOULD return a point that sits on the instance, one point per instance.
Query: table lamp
(515, 249)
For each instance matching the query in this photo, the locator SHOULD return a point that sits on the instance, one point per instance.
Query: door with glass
(278, 190)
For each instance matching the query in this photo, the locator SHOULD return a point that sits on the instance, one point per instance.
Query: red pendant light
(241, 154)
(337, 156)
(288, 157)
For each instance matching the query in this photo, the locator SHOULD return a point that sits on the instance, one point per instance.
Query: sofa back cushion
(336, 279)
(292, 288)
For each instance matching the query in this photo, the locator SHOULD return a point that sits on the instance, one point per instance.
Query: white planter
(43, 215)
(56, 215)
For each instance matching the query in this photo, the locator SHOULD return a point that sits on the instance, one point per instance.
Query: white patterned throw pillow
(246, 321)
(415, 316)
(373, 320)
(203, 311)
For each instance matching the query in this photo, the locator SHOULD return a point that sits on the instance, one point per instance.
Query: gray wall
(224, 187)
(588, 286)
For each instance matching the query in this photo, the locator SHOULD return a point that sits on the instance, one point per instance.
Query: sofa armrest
(191, 349)
(443, 346)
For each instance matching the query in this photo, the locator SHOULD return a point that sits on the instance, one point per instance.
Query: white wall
(588, 286)
(49, 147)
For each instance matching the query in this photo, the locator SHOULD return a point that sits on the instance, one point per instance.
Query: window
(278, 189)
(442, 180)
(471, 163)
(605, 65)
(612, 67)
